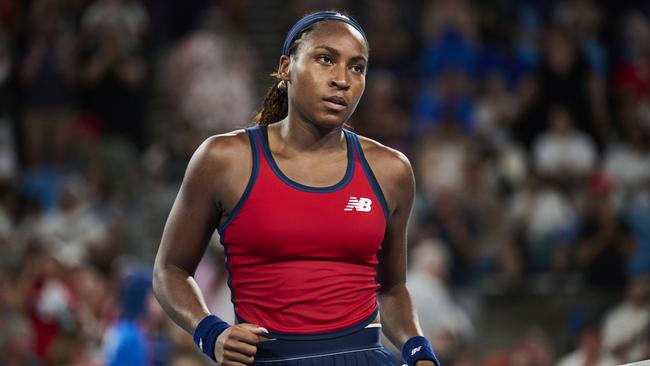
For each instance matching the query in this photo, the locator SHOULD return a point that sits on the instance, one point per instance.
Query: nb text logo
(359, 204)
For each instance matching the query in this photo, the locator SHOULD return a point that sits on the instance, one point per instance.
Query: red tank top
(302, 259)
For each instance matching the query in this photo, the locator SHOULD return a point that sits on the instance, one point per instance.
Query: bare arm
(397, 312)
(398, 316)
(213, 177)
(189, 227)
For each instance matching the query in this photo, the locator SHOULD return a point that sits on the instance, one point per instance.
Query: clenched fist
(237, 345)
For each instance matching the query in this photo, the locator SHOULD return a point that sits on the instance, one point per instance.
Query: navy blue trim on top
(251, 181)
(371, 176)
(349, 172)
(323, 335)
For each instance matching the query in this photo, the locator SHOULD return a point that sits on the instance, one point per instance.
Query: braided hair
(276, 102)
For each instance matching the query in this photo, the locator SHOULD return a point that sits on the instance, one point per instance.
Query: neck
(305, 136)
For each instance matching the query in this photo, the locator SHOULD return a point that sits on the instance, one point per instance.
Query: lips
(336, 100)
(335, 103)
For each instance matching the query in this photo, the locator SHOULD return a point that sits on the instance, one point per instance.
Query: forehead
(338, 35)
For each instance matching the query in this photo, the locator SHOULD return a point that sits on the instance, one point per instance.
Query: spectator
(563, 79)
(627, 160)
(496, 109)
(49, 299)
(456, 227)
(563, 153)
(96, 306)
(442, 319)
(441, 158)
(47, 76)
(113, 67)
(126, 342)
(604, 243)
(540, 218)
(495, 249)
(73, 228)
(583, 19)
(625, 331)
(590, 350)
(208, 79)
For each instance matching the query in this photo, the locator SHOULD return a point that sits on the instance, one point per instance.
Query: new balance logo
(358, 204)
(415, 350)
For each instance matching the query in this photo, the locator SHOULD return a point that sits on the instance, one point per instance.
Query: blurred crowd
(527, 124)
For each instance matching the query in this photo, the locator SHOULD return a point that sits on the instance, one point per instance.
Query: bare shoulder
(392, 170)
(383, 159)
(224, 146)
(219, 158)
(222, 151)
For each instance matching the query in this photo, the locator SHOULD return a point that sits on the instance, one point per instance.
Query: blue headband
(310, 19)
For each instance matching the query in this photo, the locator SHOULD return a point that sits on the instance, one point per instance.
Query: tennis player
(312, 217)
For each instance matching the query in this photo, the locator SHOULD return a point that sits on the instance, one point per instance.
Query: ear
(283, 67)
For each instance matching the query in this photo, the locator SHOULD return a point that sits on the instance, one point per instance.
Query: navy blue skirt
(360, 348)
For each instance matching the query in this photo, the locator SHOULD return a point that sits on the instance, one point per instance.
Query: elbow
(160, 276)
(164, 273)
(157, 279)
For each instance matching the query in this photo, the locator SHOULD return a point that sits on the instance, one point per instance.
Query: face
(327, 74)
(561, 122)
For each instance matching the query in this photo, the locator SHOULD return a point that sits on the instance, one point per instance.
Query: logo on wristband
(416, 350)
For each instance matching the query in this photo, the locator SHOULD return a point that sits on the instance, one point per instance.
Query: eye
(324, 59)
(358, 69)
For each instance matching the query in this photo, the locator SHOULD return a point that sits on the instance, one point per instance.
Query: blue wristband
(206, 333)
(416, 349)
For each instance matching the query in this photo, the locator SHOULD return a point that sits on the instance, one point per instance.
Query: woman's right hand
(237, 345)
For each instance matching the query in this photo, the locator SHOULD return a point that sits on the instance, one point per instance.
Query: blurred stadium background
(527, 123)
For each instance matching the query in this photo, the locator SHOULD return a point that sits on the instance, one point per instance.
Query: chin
(329, 123)
(331, 120)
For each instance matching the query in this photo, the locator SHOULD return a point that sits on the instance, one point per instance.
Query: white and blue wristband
(417, 349)
(206, 333)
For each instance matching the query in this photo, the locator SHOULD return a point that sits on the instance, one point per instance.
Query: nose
(339, 79)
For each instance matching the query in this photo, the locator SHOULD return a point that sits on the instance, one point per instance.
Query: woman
(314, 240)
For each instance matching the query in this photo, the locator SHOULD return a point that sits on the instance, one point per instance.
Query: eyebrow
(336, 52)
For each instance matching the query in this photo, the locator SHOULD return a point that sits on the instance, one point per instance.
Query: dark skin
(309, 147)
